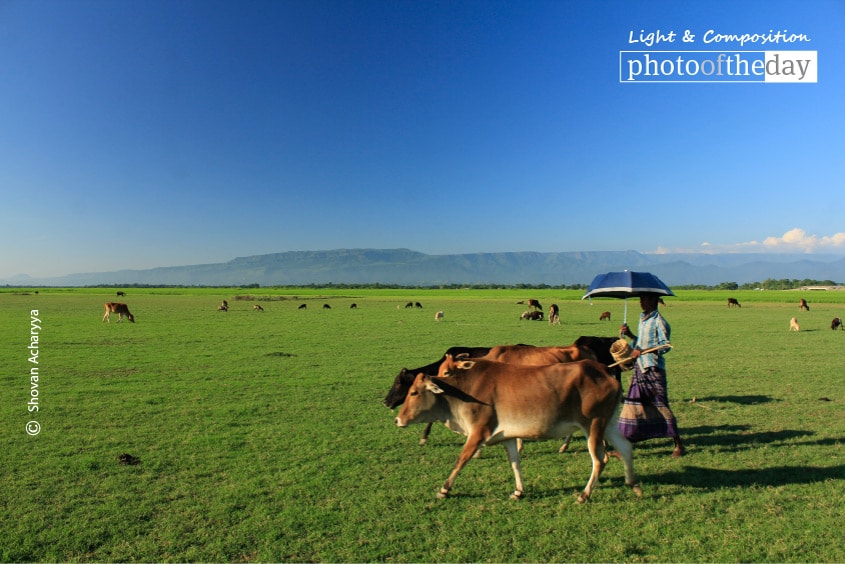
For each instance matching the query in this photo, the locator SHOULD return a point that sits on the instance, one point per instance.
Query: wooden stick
(644, 351)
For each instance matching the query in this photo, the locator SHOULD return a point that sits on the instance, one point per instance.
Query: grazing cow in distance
(353, 306)
(532, 315)
(120, 310)
(604, 315)
(438, 316)
(257, 307)
(732, 302)
(491, 403)
(661, 302)
(535, 304)
(793, 325)
(119, 294)
(302, 306)
(554, 315)
(326, 306)
(802, 305)
(418, 305)
(224, 306)
(409, 305)
(837, 324)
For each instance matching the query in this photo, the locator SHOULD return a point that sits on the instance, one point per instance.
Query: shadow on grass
(712, 478)
(742, 400)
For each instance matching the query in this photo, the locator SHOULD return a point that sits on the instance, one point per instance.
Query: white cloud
(793, 241)
(798, 240)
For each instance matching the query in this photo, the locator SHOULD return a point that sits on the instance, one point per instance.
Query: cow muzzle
(400, 423)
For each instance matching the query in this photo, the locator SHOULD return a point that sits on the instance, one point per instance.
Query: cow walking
(528, 355)
(494, 403)
(120, 310)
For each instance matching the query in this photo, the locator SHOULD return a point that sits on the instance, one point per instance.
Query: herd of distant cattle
(534, 313)
(836, 322)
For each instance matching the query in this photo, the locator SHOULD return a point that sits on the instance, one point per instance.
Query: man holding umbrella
(645, 410)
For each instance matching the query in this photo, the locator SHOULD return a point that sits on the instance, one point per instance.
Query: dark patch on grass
(280, 354)
(128, 460)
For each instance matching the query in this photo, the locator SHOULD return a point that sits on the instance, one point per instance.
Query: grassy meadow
(262, 437)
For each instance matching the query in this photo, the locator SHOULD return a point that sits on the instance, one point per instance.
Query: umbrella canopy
(626, 284)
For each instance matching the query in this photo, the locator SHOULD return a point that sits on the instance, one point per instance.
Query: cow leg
(426, 431)
(626, 453)
(596, 448)
(565, 444)
(512, 447)
(473, 444)
(106, 317)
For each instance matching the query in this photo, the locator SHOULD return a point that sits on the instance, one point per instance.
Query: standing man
(645, 410)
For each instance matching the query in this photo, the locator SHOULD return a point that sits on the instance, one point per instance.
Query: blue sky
(136, 134)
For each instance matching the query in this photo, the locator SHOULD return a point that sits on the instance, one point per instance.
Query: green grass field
(262, 437)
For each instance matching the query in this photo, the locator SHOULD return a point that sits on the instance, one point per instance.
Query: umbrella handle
(644, 351)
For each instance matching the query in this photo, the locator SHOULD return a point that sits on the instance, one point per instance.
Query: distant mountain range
(411, 268)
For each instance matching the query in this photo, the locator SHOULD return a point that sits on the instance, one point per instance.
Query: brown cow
(532, 315)
(535, 304)
(802, 305)
(604, 315)
(732, 302)
(120, 310)
(836, 324)
(492, 402)
(528, 355)
(516, 354)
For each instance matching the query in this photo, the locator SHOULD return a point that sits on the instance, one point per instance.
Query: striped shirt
(653, 331)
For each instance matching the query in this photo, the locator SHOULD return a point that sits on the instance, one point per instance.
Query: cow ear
(433, 388)
(466, 364)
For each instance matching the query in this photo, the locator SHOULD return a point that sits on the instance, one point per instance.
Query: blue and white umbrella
(626, 284)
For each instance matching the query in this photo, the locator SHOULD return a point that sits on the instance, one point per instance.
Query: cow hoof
(442, 494)
(638, 491)
(517, 495)
(423, 441)
(582, 498)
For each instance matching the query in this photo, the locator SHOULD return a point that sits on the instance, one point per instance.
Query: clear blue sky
(136, 134)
